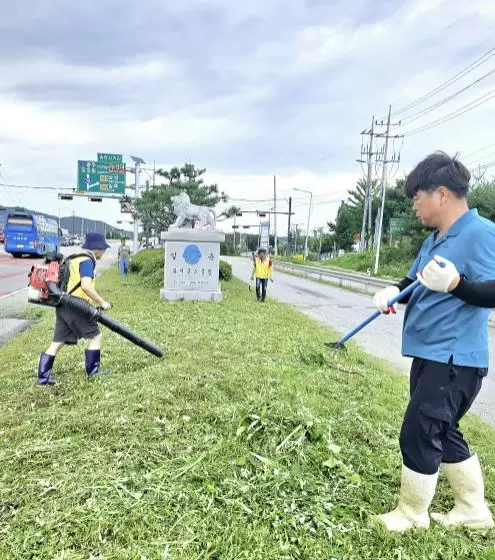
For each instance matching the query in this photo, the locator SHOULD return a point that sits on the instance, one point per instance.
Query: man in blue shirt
(448, 341)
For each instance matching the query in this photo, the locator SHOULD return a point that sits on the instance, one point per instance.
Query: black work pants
(261, 284)
(440, 395)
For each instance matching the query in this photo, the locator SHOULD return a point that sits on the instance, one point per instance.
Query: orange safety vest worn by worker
(75, 279)
(262, 268)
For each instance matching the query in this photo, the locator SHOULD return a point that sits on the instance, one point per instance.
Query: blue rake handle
(376, 314)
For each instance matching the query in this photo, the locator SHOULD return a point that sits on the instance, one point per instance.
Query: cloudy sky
(247, 90)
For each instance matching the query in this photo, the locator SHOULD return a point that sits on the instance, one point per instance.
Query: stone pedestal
(192, 259)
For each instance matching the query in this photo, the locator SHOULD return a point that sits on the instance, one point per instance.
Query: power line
(485, 166)
(12, 193)
(475, 161)
(479, 150)
(9, 185)
(478, 62)
(457, 113)
(431, 108)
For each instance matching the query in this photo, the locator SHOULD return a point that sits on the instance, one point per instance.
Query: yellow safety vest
(262, 268)
(75, 279)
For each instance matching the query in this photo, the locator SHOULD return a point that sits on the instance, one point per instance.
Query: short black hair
(438, 169)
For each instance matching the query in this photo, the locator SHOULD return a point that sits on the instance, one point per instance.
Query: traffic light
(238, 213)
(261, 214)
(95, 199)
(65, 197)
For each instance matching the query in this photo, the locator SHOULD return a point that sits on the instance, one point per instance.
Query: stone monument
(192, 254)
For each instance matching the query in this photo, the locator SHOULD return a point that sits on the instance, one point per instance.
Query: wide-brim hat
(95, 241)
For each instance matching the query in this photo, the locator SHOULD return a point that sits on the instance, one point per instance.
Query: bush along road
(248, 440)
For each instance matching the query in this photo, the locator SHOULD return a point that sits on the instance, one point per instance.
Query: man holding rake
(448, 341)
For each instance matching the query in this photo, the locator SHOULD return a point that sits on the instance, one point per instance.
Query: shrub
(225, 272)
(147, 261)
(150, 262)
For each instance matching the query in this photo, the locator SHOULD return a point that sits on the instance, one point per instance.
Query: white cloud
(29, 123)
(245, 90)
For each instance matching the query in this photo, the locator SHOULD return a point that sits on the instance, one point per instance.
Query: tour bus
(30, 234)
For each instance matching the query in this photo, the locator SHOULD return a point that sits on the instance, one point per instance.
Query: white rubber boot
(470, 509)
(416, 493)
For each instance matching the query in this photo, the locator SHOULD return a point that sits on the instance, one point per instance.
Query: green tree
(347, 224)
(349, 218)
(358, 194)
(482, 197)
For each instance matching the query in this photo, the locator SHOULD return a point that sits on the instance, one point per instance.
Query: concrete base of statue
(192, 260)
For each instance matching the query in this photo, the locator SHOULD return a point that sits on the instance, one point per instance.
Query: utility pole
(275, 213)
(136, 196)
(296, 227)
(379, 221)
(233, 230)
(321, 239)
(368, 200)
(478, 175)
(288, 228)
(306, 251)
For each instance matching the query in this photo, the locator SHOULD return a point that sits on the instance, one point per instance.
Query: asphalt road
(342, 310)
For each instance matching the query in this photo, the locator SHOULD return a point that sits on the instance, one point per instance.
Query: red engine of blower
(38, 277)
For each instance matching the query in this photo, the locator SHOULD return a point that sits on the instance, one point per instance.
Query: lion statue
(185, 211)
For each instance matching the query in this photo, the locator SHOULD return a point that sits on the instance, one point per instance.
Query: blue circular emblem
(191, 254)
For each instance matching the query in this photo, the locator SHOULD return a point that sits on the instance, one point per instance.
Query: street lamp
(309, 219)
(138, 161)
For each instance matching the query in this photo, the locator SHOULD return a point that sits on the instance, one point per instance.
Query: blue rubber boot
(93, 363)
(45, 366)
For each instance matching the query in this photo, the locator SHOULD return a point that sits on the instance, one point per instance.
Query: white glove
(381, 299)
(106, 306)
(439, 278)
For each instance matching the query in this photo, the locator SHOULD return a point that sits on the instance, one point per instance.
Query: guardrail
(363, 282)
(354, 280)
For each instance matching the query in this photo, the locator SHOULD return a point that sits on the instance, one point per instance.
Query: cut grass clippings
(247, 441)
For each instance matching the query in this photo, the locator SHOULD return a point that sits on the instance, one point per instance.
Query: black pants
(261, 284)
(441, 394)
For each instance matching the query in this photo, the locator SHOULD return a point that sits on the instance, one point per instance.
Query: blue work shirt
(87, 269)
(439, 326)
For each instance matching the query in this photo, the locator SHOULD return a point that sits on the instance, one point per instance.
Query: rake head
(336, 346)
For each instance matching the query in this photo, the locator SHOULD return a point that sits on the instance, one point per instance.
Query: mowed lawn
(248, 440)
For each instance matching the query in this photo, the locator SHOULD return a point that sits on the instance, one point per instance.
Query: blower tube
(84, 308)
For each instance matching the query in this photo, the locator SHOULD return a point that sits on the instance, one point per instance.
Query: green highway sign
(109, 158)
(101, 177)
(397, 226)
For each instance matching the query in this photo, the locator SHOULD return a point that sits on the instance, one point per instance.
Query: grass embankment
(246, 441)
(392, 263)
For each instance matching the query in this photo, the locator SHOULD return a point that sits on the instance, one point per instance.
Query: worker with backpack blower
(71, 326)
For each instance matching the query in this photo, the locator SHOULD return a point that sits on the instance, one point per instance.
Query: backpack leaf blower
(45, 288)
